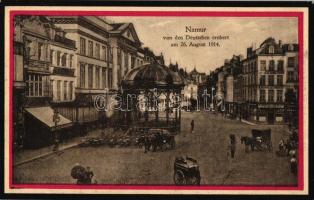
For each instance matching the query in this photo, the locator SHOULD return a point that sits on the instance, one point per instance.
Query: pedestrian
(293, 165)
(281, 146)
(192, 126)
(232, 145)
(56, 141)
(147, 143)
(89, 175)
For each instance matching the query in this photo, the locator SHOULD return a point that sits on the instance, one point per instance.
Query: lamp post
(56, 120)
(212, 98)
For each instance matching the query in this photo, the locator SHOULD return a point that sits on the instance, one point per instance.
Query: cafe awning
(45, 115)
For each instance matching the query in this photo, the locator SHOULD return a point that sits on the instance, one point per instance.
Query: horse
(248, 141)
(157, 141)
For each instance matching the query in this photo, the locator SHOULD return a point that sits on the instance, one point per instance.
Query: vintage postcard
(156, 100)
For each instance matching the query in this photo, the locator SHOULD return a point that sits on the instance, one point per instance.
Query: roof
(152, 75)
(119, 27)
(45, 115)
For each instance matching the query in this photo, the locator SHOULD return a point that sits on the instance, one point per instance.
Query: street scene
(208, 145)
(104, 100)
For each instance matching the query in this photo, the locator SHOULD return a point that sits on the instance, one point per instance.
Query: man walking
(192, 126)
(232, 145)
(89, 175)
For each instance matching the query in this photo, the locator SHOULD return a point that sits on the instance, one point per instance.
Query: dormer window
(290, 47)
(271, 49)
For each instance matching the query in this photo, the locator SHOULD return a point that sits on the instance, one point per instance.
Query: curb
(44, 155)
(247, 122)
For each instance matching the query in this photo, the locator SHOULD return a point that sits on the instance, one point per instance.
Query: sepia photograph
(141, 99)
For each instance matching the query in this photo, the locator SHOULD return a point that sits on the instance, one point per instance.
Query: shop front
(41, 128)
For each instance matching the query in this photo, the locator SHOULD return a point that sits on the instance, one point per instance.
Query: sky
(243, 33)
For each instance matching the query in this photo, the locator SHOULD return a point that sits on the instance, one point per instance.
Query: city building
(106, 52)
(34, 36)
(268, 72)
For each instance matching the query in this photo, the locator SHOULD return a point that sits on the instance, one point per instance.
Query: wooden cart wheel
(194, 180)
(179, 178)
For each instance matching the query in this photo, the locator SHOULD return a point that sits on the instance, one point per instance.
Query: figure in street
(192, 126)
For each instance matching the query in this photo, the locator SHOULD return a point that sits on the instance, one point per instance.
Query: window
(262, 95)
(271, 65)
(35, 85)
(110, 55)
(71, 90)
(58, 90)
(110, 78)
(58, 58)
(97, 53)
(65, 88)
(280, 66)
(82, 46)
(279, 80)
(262, 80)
(270, 95)
(104, 53)
(40, 50)
(290, 61)
(51, 56)
(290, 77)
(82, 75)
(290, 47)
(97, 77)
(271, 80)
(132, 62)
(271, 49)
(263, 65)
(90, 76)
(90, 48)
(104, 78)
(126, 59)
(279, 95)
(71, 61)
(64, 60)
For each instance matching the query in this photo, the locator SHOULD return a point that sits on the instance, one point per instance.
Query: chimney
(279, 42)
(249, 52)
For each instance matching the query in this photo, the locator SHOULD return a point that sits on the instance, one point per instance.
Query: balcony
(63, 71)
(67, 42)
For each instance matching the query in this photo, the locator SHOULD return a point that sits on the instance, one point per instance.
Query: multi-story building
(35, 36)
(106, 52)
(265, 75)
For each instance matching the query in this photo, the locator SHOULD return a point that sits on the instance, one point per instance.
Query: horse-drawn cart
(260, 140)
(263, 139)
(186, 171)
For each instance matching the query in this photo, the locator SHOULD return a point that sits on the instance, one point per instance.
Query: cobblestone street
(208, 145)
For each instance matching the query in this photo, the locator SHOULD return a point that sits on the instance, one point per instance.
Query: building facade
(106, 52)
(34, 38)
(263, 87)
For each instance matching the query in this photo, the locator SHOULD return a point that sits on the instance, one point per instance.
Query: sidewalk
(247, 122)
(27, 155)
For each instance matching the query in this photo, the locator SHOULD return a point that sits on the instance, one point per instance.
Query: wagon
(264, 138)
(186, 171)
(167, 137)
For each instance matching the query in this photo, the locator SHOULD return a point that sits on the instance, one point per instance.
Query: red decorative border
(298, 15)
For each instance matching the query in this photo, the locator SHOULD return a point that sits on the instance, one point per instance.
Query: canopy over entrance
(45, 115)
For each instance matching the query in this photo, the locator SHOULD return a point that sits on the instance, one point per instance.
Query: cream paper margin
(130, 191)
